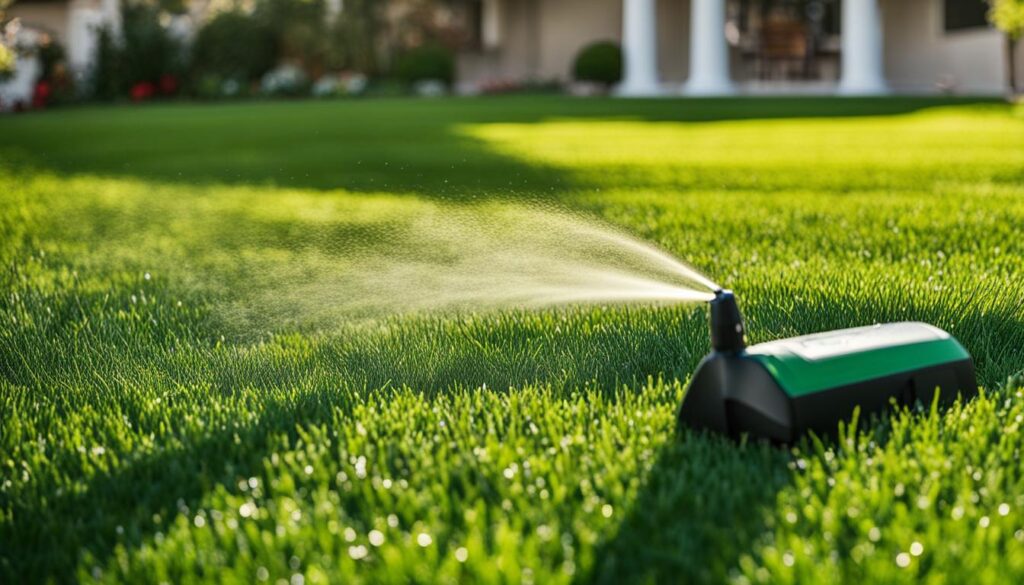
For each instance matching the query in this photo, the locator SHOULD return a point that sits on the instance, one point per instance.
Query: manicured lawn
(174, 406)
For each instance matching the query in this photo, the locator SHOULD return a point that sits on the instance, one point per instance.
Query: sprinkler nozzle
(727, 332)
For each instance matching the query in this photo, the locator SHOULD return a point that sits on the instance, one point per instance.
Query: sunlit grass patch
(894, 153)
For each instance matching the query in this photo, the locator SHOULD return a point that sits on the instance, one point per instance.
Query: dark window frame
(964, 15)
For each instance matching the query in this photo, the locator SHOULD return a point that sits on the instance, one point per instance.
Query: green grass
(161, 421)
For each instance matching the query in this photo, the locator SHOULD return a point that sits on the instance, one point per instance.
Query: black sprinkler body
(727, 334)
(782, 389)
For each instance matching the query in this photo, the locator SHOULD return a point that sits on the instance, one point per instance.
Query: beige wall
(516, 56)
(674, 40)
(51, 17)
(566, 26)
(920, 56)
(1020, 64)
(540, 39)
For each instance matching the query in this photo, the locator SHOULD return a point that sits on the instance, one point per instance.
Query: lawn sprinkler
(781, 389)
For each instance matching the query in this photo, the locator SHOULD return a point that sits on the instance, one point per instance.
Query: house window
(965, 14)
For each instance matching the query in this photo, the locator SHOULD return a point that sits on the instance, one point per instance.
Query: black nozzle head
(727, 332)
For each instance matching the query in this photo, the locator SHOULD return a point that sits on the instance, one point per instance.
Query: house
(721, 47)
(73, 23)
(670, 47)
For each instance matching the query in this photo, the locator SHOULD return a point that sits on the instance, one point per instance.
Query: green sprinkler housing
(781, 389)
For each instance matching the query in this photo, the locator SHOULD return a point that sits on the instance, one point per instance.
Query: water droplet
(376, 537)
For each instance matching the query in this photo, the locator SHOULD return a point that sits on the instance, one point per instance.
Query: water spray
(782, 389)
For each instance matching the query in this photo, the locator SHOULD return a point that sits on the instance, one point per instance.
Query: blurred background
(60, 51)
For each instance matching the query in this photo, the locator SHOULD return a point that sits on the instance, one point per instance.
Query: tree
(1008, 16)
(6, 54)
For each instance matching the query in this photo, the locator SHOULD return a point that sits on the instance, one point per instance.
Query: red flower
(41, 95)
(142, 91)
(168, 84)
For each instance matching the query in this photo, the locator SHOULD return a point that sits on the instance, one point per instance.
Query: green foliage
(7, 56)
(428, 62)
(1008, 16)
(356, 35)
(108, 78)
(162, 422)
(599, 62)
(300, 31)
(148, 49)
(7, 61)
(243, 46)
(144, 51)
(234, 45)
(55, 72)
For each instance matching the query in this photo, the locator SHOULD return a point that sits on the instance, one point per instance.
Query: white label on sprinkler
(830, 344)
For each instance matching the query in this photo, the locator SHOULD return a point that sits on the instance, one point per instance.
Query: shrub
(58, 83)
(599, 62)
(144, 53)
(429, 62)
(108, 77)
(150, 51)
(234, 45)
(300, 31)
(7, 60)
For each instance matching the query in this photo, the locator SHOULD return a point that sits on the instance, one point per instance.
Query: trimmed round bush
(234, 45)
(599, 62)
(429, 62)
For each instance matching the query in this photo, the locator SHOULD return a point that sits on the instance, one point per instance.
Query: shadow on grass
(126, 507)
(701, 508)
(409, 146)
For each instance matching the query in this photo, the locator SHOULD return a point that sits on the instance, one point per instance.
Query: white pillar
(20, 87)
(332, 9)
(83, 20)
(709, 54)
(491, 24)
(112, 14)
(639, 49)
(862, 70)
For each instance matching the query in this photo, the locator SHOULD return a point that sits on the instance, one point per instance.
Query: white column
(709, 54)
(332, 9)
(491, 23)
(862, 71)
(84, 18)
(112, 14)
(639, 49)
(19, 88)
